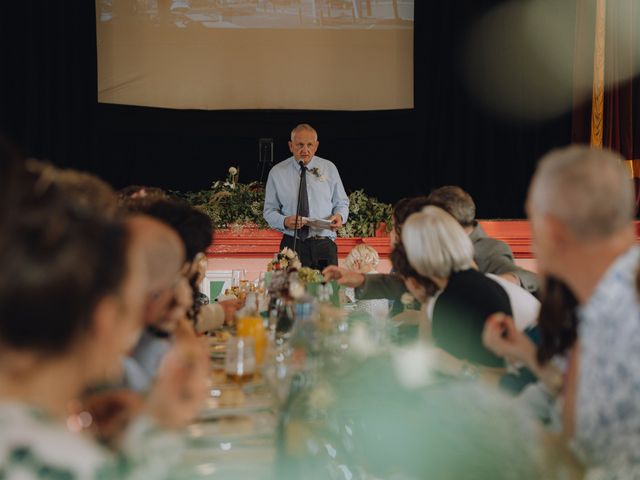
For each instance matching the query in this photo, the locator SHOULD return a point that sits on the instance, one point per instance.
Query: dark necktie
(303, 232)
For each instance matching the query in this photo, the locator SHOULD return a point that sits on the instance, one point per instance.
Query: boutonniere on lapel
(316, 172)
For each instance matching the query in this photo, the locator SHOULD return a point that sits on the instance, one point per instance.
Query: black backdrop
(48, 106)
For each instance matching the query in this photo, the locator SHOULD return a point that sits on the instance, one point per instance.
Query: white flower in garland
(296, 290)
(256, 208)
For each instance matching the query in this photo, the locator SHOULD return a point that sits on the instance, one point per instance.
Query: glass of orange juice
(253, 326)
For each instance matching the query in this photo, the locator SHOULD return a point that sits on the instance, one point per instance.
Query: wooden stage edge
(251, 249)
(256, 243)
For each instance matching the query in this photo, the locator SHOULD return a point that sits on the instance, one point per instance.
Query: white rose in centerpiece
(233, 170)
(322, 397)
(414, 365)
(296, 290)
(288, 253)
(361, 342)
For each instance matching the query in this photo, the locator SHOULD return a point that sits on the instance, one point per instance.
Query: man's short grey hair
(302, 128)
(587, 189)
(436, 244)
(455, 201)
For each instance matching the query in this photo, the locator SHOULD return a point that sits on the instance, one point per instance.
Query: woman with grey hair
(436, 258)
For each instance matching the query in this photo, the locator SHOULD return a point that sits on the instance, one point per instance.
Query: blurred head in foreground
(581, 204)
(164, 257)
(196, 232)
(72, 286)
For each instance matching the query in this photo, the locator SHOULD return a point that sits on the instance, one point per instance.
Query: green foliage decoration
(231, 204)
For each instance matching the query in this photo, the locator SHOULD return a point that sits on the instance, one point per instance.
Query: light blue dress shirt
(141, 367)
(326, 194)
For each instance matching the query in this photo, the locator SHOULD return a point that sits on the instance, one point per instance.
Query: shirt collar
(310, 165)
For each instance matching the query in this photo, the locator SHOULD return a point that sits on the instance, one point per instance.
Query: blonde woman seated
(436, 259)
(365, 259)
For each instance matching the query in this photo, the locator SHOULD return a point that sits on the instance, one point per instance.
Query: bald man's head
(164, 256)
(163, 250)
(586, 189)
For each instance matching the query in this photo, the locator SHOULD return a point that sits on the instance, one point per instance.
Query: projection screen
(256, 54)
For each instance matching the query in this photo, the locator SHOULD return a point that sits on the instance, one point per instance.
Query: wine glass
(237, 277)
(262, 280)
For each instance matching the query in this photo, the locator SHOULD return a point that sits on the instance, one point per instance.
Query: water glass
(237, 276)
(240, 361)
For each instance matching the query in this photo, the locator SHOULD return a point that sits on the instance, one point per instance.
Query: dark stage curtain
(48, 79)
(48, 105)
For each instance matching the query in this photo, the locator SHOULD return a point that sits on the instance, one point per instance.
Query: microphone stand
(295, 232)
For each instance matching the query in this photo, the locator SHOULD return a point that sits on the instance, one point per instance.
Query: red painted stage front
(255, 243)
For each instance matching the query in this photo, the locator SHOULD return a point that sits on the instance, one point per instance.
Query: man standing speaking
(322, 197)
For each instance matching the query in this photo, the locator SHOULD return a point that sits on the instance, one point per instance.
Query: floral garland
(231, 204)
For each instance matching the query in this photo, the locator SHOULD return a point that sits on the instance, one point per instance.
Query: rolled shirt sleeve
(340, 200)
(272, 206)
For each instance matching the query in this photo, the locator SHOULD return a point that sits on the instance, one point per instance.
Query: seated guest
(72, 286)
(441, 254)
(401, 211)
(364, 259)
(377, 286)
(581, 207)
(196, 232)
(491, 256)
(525, 306)
(167, 300)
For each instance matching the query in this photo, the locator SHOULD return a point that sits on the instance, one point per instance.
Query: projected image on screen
(269, 13)
(256, 54)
